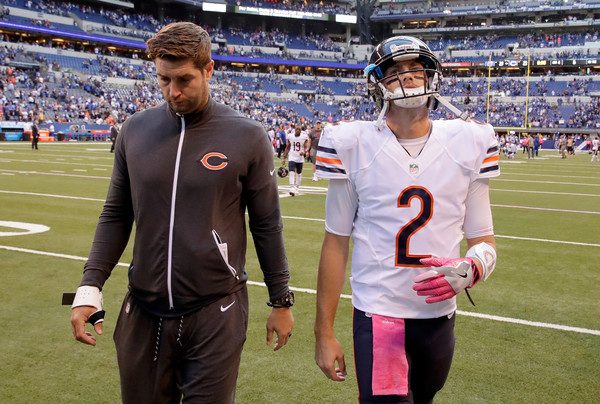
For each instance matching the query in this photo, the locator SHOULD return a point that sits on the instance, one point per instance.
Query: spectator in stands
(196, 164)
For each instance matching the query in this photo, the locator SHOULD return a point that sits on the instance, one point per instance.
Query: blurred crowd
(328, 7)
(84, 93)
(433, 7)
(70, 97)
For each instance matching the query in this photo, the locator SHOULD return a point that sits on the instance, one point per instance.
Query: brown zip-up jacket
(186, 182)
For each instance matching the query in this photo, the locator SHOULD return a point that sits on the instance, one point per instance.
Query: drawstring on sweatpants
(157, 339)
(158, 335)
(179, 331)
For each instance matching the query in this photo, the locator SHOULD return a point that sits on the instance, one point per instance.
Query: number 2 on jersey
(405, 199)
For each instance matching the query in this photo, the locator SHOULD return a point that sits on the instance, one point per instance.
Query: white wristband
(88, 296)
(486, 254)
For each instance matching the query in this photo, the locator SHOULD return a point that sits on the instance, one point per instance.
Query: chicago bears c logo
(216, 157)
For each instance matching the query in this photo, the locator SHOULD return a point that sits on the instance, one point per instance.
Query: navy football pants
(429, 350)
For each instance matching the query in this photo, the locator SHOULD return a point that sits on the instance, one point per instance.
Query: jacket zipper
(172, 218)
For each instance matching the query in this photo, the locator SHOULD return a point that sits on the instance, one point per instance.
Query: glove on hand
(447, 278)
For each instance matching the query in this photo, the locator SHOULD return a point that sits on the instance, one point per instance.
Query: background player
(298, 146)
(595, 147)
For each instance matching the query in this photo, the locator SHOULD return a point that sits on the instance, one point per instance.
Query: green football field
(533, 337)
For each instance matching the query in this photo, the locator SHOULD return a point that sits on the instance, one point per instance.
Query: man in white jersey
(298, 146)
(405, 188)
(595, 147)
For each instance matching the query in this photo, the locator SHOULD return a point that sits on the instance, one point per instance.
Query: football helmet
(398, 49)
(283, 172)
(392, 51)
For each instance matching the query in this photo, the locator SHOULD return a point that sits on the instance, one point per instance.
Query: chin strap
(462, 115)
(386, 101)
(380, 119)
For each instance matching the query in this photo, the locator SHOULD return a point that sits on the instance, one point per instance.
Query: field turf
(534, 336)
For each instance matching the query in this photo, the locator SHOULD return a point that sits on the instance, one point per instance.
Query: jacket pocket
(224, 253)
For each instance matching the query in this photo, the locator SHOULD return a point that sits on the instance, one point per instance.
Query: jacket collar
(194, 118)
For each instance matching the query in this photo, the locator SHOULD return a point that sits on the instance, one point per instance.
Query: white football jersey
(595, 144)
(297, 147)
(408, 207)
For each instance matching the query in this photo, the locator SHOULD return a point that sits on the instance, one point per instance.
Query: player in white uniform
(595, 148)
(405, 188)
(298, 146)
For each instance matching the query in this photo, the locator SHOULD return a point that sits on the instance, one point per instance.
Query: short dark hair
(181, 40)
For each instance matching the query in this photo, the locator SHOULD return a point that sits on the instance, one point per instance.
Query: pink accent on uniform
(390, 366)
(434, 284)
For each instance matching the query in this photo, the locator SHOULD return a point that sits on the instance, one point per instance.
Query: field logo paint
(30, 228)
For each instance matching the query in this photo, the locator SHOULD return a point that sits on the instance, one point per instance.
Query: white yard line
(543, 192)
(589, 212)
(79, 198)
(55, 174)
(556, 176)
(312, 219)
(307, 189)
(559, 327)
(544, 240)
(60, 156)
(547, 182)
(5, 160)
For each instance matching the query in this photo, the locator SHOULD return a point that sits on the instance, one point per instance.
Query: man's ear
(209, 69)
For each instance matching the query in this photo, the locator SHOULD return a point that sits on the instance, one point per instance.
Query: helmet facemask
(410, 97)
(387, 54)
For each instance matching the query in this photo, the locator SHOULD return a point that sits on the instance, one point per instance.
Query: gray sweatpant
(194, 358)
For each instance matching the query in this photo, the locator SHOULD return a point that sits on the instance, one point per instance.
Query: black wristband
(97, 317)
(286, 300)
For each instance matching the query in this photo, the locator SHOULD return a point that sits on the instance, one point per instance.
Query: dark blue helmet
(397, 49)
(283, 172)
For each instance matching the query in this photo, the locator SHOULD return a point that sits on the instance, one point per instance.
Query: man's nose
(174, 91)
(407, 76)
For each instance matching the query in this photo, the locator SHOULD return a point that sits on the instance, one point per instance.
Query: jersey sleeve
(340, 207)
(329, 163)
(489, 164)
(478, 213)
